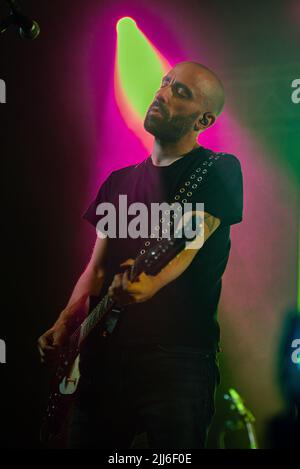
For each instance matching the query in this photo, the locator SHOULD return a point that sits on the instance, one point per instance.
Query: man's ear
(205, 121)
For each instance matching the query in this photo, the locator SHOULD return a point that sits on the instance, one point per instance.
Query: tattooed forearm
(211, 224)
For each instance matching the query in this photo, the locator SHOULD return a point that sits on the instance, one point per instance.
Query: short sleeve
(103, 195)
(223, 192)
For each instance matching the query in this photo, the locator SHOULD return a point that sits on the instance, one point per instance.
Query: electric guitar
(67, 375)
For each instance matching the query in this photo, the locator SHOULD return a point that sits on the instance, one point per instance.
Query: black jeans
(164, 390)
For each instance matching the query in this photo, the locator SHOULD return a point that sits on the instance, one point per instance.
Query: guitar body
(69, 383)
(67, 374)
(61, 398)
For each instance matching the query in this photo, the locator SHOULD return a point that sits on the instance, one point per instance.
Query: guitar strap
(186, 190)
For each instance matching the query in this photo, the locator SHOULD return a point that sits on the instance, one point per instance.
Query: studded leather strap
(185, 192)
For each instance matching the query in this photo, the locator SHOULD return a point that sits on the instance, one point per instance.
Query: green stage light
(140, 65)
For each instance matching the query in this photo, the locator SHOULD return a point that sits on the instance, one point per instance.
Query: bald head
(209, 86)
(188, 101)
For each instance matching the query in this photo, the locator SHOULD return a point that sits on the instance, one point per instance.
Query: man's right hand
(51, 342)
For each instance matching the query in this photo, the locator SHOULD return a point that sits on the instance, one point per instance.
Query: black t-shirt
(184, 311)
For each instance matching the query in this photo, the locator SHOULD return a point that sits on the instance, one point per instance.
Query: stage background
(58, 141)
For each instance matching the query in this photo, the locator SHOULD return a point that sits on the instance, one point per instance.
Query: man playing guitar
(157, 371)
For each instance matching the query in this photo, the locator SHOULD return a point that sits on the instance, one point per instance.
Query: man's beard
(168, 129)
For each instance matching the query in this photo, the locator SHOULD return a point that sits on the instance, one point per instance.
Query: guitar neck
(91, 321)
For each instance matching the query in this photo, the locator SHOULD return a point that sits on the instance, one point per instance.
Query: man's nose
(160, 101)
(163, 95)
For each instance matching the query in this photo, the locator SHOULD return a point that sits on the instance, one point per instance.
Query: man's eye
(180, 90)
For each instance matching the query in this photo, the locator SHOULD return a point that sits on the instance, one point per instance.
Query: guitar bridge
(71, 380)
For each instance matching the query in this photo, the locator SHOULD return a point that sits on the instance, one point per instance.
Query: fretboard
(90, 322)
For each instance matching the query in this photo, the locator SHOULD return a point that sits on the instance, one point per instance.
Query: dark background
(48, 159)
